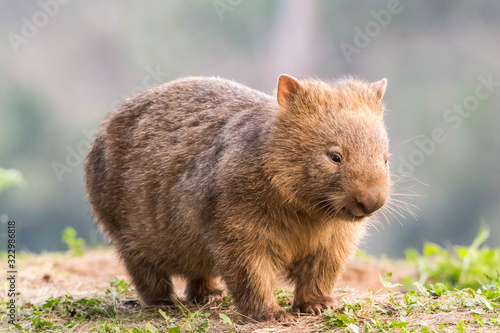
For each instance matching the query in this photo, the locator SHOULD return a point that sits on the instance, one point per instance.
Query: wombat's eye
(335, 158)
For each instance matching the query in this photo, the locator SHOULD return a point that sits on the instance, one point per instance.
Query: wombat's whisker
(408, 207)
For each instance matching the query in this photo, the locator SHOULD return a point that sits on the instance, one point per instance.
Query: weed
(226, 320)
(458, 266)
(196, 321)
(284, 297)
(170, 324)
(460, 310)
(118, 288)
(226, 301)
(74, 244)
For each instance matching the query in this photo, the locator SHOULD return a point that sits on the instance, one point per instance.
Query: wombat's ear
(287, 87)
(379, 87)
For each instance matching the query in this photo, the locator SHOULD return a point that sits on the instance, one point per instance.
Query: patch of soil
(55, 274)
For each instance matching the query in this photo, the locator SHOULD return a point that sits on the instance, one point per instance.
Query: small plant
(119, 286)
(457, 267)
(458, 310)
(74, 244)
(338, 319)
(385, 281)
(226, 301)
(226, 320)
(81, 309)
(284, 297)
(170, 324)
(196, 321)
(149, 328)
(394, 312)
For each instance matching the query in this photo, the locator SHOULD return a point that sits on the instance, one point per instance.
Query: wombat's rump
(206, 178)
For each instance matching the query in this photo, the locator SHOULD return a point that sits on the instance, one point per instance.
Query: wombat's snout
(372, 200)
(368, 201)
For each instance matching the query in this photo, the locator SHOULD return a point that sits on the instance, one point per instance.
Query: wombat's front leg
(250, 279)
(314, 279)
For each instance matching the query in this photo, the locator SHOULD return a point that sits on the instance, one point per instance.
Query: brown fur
(206, 178)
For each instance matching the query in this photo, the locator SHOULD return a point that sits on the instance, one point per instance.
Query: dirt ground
(56, 275)
(45, 275)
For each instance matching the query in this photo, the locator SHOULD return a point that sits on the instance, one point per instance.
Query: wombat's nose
(372, 199)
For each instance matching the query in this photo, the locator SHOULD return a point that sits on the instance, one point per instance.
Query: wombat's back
(157, 136)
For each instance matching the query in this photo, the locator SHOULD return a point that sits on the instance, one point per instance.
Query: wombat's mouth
(343, 212)
(348, 215)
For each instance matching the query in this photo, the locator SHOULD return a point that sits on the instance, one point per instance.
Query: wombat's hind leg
(203, 290)
(153, 286)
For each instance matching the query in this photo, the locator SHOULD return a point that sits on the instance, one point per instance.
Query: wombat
(206, 178)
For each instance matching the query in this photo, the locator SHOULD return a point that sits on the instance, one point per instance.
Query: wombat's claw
(278, 315)
(315, 305)
(211, 297)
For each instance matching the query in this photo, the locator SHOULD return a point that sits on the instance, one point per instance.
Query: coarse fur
(206, 178)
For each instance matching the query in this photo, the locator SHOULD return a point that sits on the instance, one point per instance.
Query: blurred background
(65, 64)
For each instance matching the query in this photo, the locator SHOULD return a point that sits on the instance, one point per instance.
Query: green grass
(456, 266)
(457, 290)
(400, 311)
(381, 311)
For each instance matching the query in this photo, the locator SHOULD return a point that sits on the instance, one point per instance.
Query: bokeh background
(65, 64)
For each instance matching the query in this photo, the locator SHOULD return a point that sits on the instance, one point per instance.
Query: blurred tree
(59, 86)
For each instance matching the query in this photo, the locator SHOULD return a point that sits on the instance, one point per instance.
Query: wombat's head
(330, 147)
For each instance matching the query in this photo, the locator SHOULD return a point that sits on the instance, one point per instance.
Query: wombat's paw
(214, 295)
(314, 305)
(278, 315)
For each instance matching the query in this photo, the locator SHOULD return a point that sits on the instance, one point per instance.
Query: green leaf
(482, 300)
(478, 320)
(399, 324)
(151, 328)
(163, 314)
(482, 236)
(225, 319)
(439, 288)
(431, 249)
(461, 327)
(386, 283)
(174, 328)
(353, 328)
(420, 287)
(458, 266)
(74, 244)
(411, 255)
